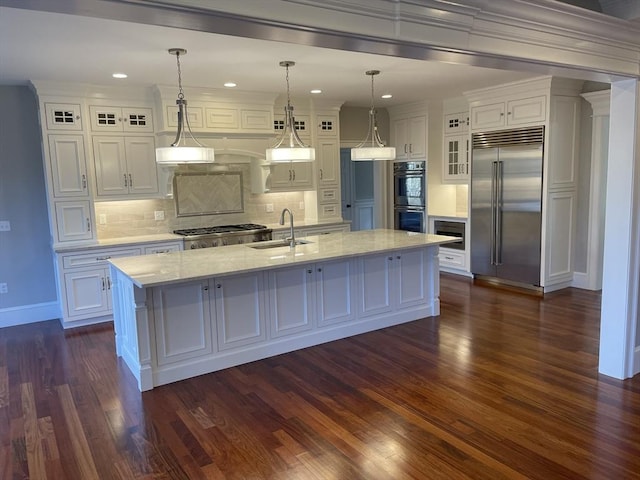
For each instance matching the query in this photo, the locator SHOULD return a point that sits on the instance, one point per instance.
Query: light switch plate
(158, 214)
(5, 226)
(102, 219)
(268, 207)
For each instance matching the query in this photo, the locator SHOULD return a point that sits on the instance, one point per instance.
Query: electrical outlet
(5, 226)
(102, 219)
(158, 214)
(301, 205)
(4, 288)
(268, 207)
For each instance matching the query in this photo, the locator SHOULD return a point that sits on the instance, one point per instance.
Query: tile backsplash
(137, 217)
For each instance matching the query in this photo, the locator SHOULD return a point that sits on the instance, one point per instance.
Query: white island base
(183, 314)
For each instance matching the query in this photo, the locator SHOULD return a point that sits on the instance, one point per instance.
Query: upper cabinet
(510, 112)
(68, 166)
(455, 141)
(212, 111)
(63, 116)
(125, 166)
(409, 131)
(121, 119)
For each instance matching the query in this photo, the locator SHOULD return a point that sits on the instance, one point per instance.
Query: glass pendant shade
(372, 148)
(289, 147)
(178, 153)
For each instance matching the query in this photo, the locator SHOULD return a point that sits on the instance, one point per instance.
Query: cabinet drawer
(170, 247)
(328, 195)
(96, 257)
(329, 210)
(451, 258)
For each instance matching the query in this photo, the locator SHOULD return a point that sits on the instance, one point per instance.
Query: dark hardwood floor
(500, 386)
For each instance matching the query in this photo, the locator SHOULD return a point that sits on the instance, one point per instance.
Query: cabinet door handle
(320, 269)
(321, 174)
(84, 181)
(88, 224)
(309, 271)
(390, 258)
(125, 180)
(102, 259)
(405, 148)
(130, 180)
(448, 258)
(508, 113)
(294, 174)
(411, 148)
(398, 257)
(103, 284)
(108, 282)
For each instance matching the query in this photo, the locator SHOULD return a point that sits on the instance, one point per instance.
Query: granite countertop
(154, 270)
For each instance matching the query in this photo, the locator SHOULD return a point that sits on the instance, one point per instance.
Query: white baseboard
(29, 314)
(584, 281)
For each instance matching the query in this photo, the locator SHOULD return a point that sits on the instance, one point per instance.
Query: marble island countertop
(160, 269)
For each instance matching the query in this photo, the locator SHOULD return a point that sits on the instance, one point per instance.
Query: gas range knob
(202, 245)
(240, 240)
(193, 246)
(214, 243)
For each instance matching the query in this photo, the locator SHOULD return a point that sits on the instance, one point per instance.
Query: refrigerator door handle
(499, 204)
(492, 240)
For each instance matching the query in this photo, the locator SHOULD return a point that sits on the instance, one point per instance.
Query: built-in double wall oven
(410, 196)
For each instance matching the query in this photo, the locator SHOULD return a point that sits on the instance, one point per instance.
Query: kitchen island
(182, 314)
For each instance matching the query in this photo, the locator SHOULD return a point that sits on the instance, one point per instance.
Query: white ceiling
(36, 45)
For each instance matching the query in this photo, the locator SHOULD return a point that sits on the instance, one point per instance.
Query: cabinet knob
(398, 257)
(309, 271)
(219, 285)
(390, 258)
(205, 288)
(319, 269)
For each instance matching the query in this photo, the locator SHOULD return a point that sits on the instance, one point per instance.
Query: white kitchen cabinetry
(301, 123)
(68, 166)
(328, 162)
(291, 300)
(392, 281)
(74, 221)
(240, 310)
(125, 166)
(121, 119)
(409, 136)
(336, 287)
(182, 321)
(455, 141)
(292, 176)
(63, 116)
(509, 113)
(456, 159)
(241, 119)
(86, 282)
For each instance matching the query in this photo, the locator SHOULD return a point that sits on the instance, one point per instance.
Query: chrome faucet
(292, 237)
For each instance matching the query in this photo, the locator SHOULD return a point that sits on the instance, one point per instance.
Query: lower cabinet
(394, 280)
(240, 310)
(182, 316)
(85, 282)
(291, 300)
(202, 326)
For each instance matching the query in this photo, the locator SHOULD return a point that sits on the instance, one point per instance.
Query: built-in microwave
(451, 229)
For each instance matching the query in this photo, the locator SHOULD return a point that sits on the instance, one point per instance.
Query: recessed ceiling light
(387, 95)
(316, 90)
(119, 75)
(230, 84)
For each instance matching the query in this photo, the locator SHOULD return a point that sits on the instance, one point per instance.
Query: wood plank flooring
(500, 386)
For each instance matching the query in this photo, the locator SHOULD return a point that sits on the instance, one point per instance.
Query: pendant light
(289, 147)
(372, 147)
(178, 152)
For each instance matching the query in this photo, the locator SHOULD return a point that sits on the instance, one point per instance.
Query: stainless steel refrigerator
(506, 205)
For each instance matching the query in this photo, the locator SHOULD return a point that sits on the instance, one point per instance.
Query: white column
(621, 270)
(600, 104)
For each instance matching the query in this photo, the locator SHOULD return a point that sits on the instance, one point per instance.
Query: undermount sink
(274, 244)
